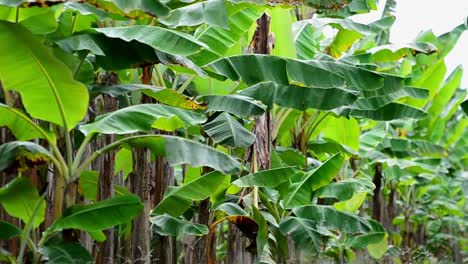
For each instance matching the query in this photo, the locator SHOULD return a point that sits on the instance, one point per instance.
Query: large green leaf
(100, 215)
(343, 131)
(129, 47)
(167, 225)
(211, 12)
(300, 193)
(344, 190)
(375, 102)
(8, 231)
(281, 27)
(392, 52)
(390, 112)
(267, 178)
(226, 130)
(279, 70)
(37, 20)
(234, 104)
(219, 39)
(72, 253)
(304, 232)
(141, 118)
(165, 40)
(20, 124)
(89, 186)
(19, 199)
(179, 151)
(178, 199)
(329, 217)
(52, 94)
(301, 98)
(23, 154)
(311, 222)
(135, 8)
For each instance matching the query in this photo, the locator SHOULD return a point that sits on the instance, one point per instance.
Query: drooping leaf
(344, 190)
(88, 186)
(178, 199)
(231, 209)
(343, 131)
(100, 215)
(123, 162)
(141, 118)
(226, 130)
(20, 124)
(72, 253)
(390, 111)
(211, 12)
(130, 47)
(343, 41)
(67, 99)
(167, 225)
(136, 8)
(23, 155)
(19, 198)
(281, 27)
(377, 250)
(219, 39)
(234, 104)
(179, 151)
(8, 231)
(303, 231)
(329, 217)
(300, 98)
(300, 193)
(353, 204)
(376, 102)
(165, 40)
(392, 52)
(267, 178)
(279, 70)
(37, 20)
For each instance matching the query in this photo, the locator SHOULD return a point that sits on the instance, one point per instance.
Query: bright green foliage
(19, 198)
(168, 99)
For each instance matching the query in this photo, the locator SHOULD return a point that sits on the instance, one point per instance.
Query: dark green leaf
(178, 199)
(19, 198)
(8, 231)
(100, 215)
(167, 225)
(72, 253)
(226, 130)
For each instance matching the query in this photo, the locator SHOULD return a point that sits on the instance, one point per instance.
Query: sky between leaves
(414, 16)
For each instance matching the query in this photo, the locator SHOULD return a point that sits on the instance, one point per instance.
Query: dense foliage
(227, 131)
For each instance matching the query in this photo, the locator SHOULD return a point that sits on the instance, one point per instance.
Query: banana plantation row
(227, 131)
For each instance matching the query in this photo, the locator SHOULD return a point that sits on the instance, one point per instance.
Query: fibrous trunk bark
(140, 184)
(165, 248)
(259, 154)
(104, 253)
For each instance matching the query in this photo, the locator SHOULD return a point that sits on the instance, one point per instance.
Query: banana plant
(168, 97)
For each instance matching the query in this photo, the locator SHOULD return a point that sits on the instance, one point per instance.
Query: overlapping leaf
(178, 199)
(100, 215)
(300, 193)
(141, 118)
(226, 130)
(179, 151)
(67, 99)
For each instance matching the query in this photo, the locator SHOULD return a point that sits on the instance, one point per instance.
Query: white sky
(414, 16)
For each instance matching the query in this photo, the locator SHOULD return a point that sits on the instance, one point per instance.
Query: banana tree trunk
(259, 154)
(105, 166)
(140, 184)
